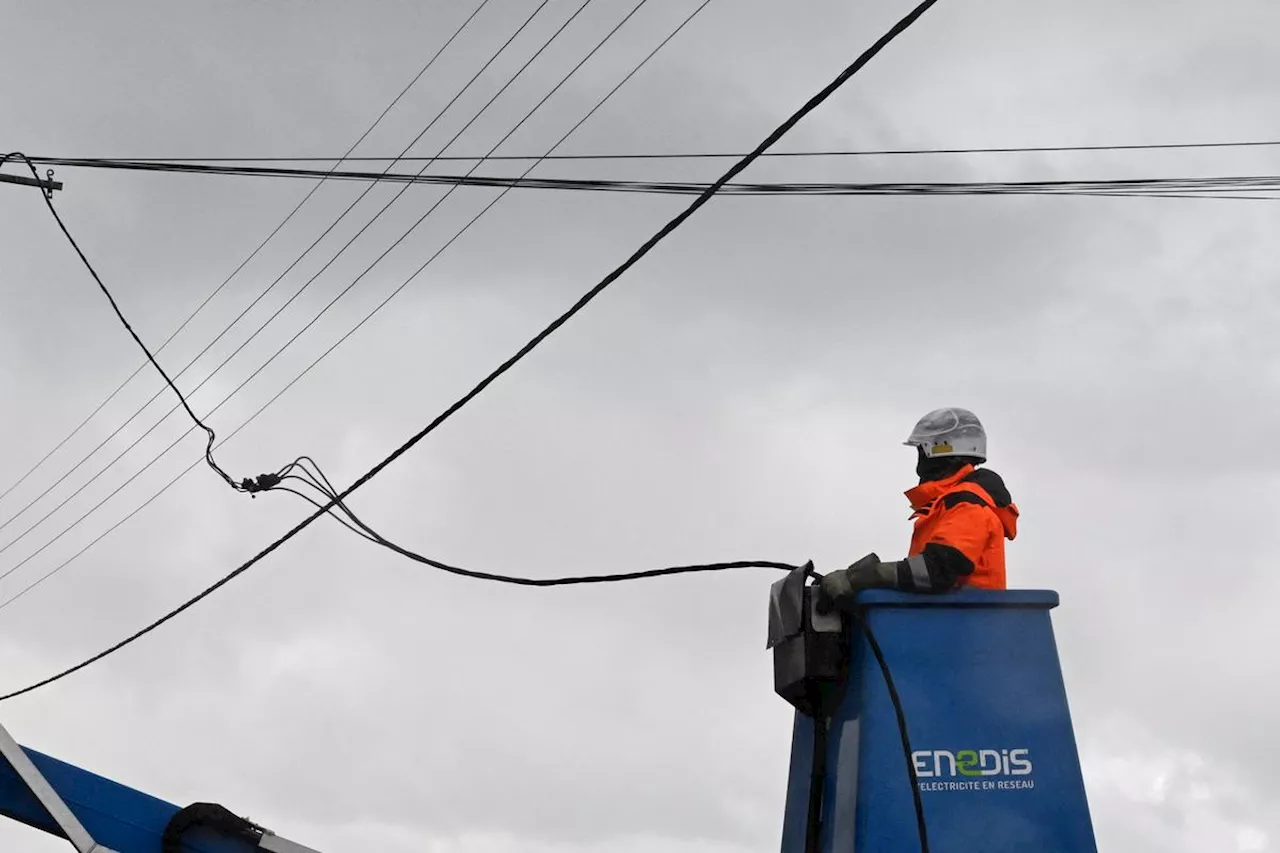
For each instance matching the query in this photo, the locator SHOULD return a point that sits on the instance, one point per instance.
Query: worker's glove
(838, 589)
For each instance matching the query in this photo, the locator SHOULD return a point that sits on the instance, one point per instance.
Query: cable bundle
(1180, 187)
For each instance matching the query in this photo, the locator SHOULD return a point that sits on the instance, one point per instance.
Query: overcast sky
(742, 393)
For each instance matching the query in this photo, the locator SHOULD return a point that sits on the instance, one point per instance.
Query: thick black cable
(314, 477)
(598, 105)
(258, 249)
(721, 155)
(337, 501)
(247, 308)
(900, 714)
(357, 531)
(254, 486)
(782, 129)
(483, 211)
(817, 783)
(1179, 187)
(1154, 188)
(347, 289)
(208, 454)
(262, 483)
(645, 248)
(579, 579)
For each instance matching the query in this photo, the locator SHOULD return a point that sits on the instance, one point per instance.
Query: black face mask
(929, 470)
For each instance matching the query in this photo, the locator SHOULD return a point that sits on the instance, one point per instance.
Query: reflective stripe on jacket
(961, 523)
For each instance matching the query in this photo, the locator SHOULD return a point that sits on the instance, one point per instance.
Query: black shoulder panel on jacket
(992, 483)
(952, 499)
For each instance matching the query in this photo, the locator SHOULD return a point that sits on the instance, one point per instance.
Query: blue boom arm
(99, 816)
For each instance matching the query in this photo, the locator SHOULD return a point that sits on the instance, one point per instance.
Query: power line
(493, 376)
(494, 201)
(1116, 186)
(714, 155)
(270, 236)
(249, 307)
(320, 483)
(263, 480)
(1181, 188)
(288, 343)
(208, 453)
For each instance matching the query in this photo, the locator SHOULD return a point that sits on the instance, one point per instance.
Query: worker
(962, 513)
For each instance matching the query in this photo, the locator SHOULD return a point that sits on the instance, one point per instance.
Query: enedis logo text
(973, 769)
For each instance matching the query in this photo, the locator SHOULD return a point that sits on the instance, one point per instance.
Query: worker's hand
(837, 589)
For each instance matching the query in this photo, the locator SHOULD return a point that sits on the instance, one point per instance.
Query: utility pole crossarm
(48, 186)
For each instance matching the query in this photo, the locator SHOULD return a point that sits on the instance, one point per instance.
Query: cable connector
(809, 646)
(264, 482)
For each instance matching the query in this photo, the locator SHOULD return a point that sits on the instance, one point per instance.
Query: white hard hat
(949, 432)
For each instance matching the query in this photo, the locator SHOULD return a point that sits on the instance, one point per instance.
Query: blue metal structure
(98, 815)
(990, 729)
(977, 675)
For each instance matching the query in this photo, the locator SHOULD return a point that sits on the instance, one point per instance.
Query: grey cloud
(741, 393)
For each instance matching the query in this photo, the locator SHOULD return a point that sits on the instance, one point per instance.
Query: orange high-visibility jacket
(961, 523)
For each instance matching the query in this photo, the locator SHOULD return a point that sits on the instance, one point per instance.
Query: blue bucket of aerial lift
(990, 734)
